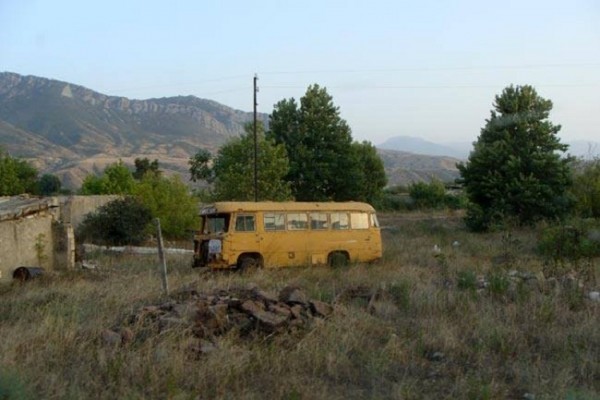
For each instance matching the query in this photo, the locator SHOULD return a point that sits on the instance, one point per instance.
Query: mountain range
(72, 131)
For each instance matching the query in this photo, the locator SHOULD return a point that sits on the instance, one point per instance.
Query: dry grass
(435, 334)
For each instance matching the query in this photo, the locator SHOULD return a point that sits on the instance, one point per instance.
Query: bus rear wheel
(248, 263)
(338, 259)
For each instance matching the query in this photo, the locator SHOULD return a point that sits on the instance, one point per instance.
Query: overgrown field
(485, 317)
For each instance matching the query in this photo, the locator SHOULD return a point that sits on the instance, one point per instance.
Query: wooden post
(161, 256)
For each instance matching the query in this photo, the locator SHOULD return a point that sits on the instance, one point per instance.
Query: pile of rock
(247, 310)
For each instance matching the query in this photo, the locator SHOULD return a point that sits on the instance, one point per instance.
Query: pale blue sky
(425, 68)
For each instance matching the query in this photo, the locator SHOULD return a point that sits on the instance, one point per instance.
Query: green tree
(120, 222)
(169, 199)
(324, 163)
(200, 166)
(116, 179)
(16, 176)
(515, 169)
(371, 178)
(428, 195)
(233, 169)
(144, 166)
(586, 188)
(49, 185)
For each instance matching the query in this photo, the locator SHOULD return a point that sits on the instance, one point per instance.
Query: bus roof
(248, 206)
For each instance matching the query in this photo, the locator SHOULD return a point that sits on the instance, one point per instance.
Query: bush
(570, 242)
(428, 195)
(117, 223)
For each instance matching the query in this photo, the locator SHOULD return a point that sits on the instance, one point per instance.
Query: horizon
(429, 71)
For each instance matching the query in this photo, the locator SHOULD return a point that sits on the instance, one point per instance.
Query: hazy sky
(424, 68)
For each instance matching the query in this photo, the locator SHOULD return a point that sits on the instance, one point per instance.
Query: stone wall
(73, 209)
(27, 241)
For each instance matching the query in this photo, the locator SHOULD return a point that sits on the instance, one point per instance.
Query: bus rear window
(359, 220)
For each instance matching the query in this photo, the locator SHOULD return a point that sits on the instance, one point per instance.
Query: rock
(281, 309)
(110, 337)
(265, 296)
(252, 306)
(594, 296)
(296, 311)
(292, 295)
(270, 320)
(528, 396)
(320, 308)
(435, 356)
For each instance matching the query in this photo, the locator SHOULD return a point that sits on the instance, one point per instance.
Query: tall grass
(435, 331)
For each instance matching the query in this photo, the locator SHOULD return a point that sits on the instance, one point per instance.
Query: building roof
(21, 206)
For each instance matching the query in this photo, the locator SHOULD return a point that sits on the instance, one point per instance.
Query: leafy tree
(324, 163)
(120, 222)
(16, 176)
(428, 195)
(49, 185)
(515, 169)
(372, 179)
(586, 188)
(234, 169)
(144, 166)
(116, 179)
(169, 200)
(200, 166)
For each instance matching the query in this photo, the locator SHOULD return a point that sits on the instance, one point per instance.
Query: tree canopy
(16, 176)
(324, 163)
(116, 179)
(233, 169)
(515, 169)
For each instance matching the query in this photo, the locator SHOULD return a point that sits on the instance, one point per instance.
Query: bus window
(339, 221)
(318, 221)
(297, 221)
(215, 223)
(274, 221)
(359, 220)
(374, 221)
(244, 223)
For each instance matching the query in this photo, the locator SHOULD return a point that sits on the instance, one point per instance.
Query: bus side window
(318, 221)
(244, 223)
(274, 221)
(297, 221)
(374, 221)
(339, 221)
(359, 220)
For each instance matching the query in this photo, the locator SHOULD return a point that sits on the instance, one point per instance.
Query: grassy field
(484, 318)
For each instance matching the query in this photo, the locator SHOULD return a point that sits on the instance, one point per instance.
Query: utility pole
(255, 143)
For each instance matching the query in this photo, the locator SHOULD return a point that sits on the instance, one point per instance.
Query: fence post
(161, 256)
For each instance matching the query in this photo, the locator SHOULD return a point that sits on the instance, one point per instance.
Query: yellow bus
(242, 235)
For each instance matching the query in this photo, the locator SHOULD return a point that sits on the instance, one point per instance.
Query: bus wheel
(338, 259)
(248, 263)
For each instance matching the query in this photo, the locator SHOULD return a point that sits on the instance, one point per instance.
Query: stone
(281, 309)
(269, 320)
(292, 295)
(252, 306)
(265, 296)
(166, 323)
(594, 296)
(320, 308)
(296, 311)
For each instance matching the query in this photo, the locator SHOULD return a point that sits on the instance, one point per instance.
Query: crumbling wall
(73, 209)
(27, 241)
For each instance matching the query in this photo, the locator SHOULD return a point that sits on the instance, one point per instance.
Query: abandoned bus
(270, 234)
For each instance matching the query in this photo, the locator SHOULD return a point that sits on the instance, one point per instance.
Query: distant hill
(73, 131)
(403, 168)
(421, 146)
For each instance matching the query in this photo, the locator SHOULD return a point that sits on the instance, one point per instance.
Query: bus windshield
(215, 223)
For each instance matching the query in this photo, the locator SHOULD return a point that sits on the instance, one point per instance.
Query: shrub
(428, 195)
(570, 242)
(117, 223)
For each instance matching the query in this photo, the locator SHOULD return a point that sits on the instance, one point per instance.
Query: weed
(467, 280)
